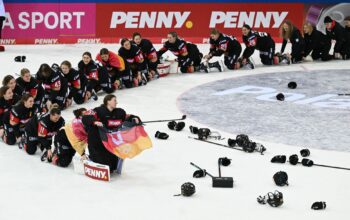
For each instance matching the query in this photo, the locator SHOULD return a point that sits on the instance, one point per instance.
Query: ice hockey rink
(231, 102)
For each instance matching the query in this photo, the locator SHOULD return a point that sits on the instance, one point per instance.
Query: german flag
(126, 143)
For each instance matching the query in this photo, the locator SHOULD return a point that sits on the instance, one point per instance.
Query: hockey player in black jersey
(316, 43)
(134, 61)
(55, 85)
(188, 55)
(261, 41)
(7, 100)
(30, 86)
(16, 119)
(69, 140)
(40, 130)
(292, 34)
(149, 53)
(347, 24)
(10, 81)
(78, 87)
(338, 33)
(118, 71)
(222, 44)
(111, 118)
(96, 75)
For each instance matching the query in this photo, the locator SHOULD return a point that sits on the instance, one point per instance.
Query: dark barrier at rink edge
(107, 21)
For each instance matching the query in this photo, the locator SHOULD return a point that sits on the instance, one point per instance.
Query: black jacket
(340, 35)
(297, 42)
(316, 41)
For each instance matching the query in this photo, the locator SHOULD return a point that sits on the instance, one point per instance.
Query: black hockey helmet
(281, 178)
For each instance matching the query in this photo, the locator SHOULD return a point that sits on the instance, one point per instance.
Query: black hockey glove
(161, 135)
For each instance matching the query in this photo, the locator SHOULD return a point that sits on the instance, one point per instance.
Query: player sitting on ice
(32, 87)
(116, 68)
(78, 84)
(96, 75)
(16, 119)
(55, 85)
(7, 100)
(149, 54)
(223, 44)
(135, 61)
(188, 55)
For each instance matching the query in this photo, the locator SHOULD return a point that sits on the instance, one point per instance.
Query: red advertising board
(56, 23)
(192, 20)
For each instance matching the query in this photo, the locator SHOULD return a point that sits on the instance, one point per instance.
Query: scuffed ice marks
(313, 115)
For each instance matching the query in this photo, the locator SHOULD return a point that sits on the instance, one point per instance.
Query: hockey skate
(249, 65)
(216, 64)
(204, 67)
(94, 95)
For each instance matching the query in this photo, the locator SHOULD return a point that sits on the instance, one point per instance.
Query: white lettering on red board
(154, 19)
(255, 19)
(50, 20)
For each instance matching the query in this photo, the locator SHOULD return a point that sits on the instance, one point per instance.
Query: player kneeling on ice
(292, 34)
(16, 119)
(107, 119)
(261, 41)
(149, 53)
(40, 130)
(68, 140)
(337, 32)
(135, 62)
(316, 43)
(229, 46)
(188, 55)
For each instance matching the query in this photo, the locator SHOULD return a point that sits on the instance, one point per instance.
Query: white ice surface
(30, 189)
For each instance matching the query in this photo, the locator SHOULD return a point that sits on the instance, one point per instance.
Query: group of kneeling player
(30, 106)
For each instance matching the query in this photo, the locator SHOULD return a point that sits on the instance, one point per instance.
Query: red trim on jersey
(42, 131)
(76, 84)
(33, 92)
(152, 55)
(14, 119)
(56, 85)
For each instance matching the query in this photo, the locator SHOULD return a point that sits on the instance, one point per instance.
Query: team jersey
(224, 44)
(261, 41)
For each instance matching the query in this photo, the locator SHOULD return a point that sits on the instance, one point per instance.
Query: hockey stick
(334, 167)
(166, 120)
(210, 142)
(344, 94)
(196, 166)
(261, 151)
